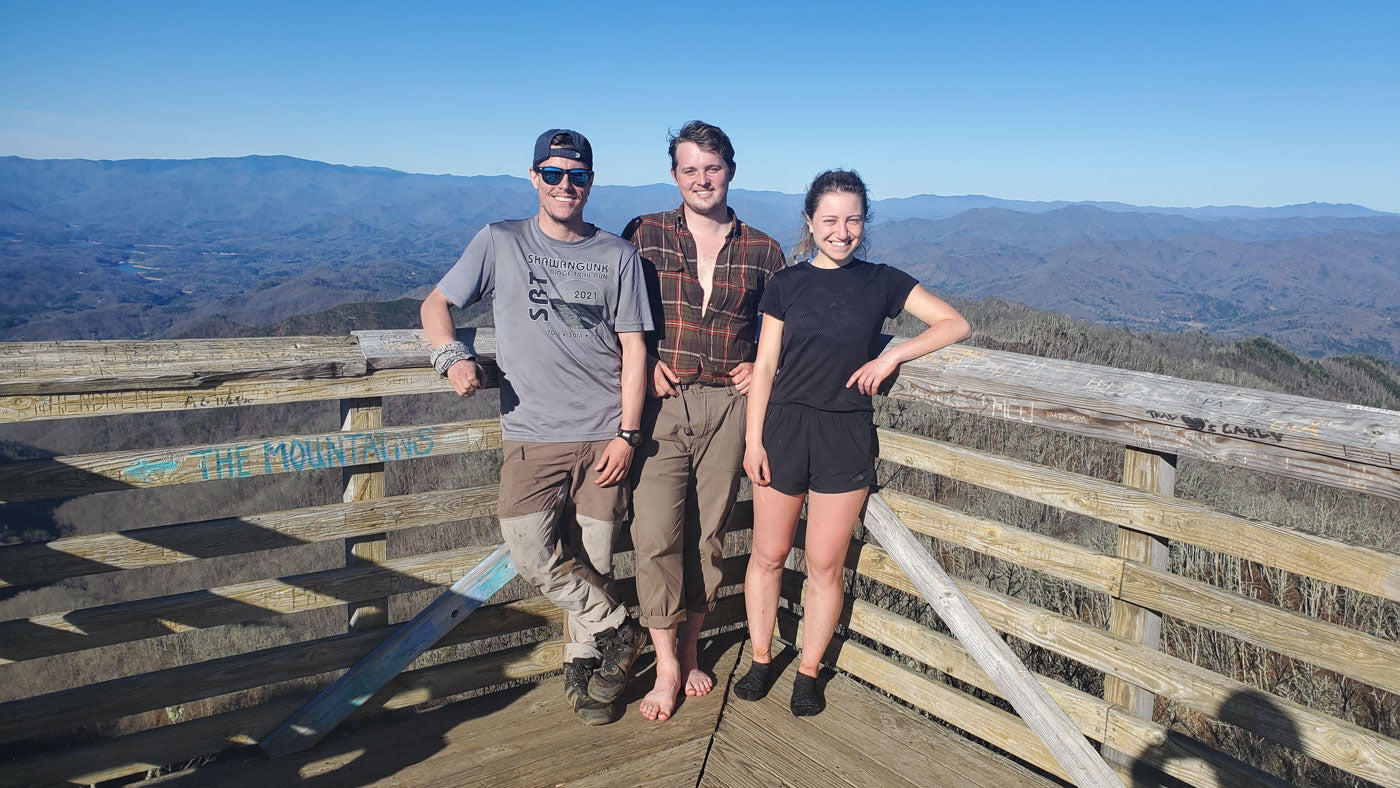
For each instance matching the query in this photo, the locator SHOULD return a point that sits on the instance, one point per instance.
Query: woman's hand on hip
(871, 374)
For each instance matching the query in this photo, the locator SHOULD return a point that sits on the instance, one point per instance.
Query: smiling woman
(809, 435)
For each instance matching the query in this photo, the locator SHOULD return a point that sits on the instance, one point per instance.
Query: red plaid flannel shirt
(702, 349)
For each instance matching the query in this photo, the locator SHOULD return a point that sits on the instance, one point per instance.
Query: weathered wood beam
(328, 709)
(1318, 441)
(1358, 655)
(109, 700)
(364, 483)
(79, 556)
(1343, 744)
(1047, 554)
(1048, 720)
(1058, 393)
(1332, 646)
(397, 360)
(1152, 472)
(77, 630)
(82, 474)
(113, 758)
(46, 561)
(16, 408)
(107, 365)
(399, 348)
(1362, 568)
(1141, 739)
(91, 704)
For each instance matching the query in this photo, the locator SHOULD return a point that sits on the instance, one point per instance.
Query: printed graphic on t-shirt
(574, 303)
(830, 314)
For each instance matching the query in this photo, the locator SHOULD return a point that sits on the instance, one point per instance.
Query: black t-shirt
(831, 326)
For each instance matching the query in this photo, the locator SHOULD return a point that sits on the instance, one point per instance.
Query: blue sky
(1150, 103)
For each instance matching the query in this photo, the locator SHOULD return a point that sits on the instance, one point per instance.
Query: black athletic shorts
(817, 450)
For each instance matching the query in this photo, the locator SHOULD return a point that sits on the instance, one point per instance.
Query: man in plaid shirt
(705, 272)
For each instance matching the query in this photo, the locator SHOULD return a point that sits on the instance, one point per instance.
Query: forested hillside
(154, 248)
(1002, 325)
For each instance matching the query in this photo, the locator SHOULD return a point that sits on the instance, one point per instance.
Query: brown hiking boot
(577, 674)
(620, 647)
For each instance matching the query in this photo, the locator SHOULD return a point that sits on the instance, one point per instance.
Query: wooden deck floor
(529, 737)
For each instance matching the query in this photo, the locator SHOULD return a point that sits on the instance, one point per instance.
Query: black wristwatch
(633, 437)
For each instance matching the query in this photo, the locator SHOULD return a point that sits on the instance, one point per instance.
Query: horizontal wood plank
(119, 470)
(52, 712)
(1102, 573)
(78, 556)
(109, 700)
(1343, 744)
(106, 365)
(1354, 448)
(1362, 568)
(398, 348)
(1356, 654)
(60, 633)
(1365, 435)
(15, 408)
(1196, 765)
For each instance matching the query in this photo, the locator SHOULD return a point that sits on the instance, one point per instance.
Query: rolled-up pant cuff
(674, 620)
(663, 622)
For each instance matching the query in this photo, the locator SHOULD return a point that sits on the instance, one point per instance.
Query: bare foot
(697, 681)
(660, 703)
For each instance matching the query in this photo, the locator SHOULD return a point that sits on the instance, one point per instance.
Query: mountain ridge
(150, 247)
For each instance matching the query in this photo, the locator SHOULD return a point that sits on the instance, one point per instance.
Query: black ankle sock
(755, 684)
(807, 698)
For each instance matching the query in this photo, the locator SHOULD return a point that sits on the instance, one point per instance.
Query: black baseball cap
(580, 150)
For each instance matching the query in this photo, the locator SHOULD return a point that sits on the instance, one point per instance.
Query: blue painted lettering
(425, 440)
(203, 463)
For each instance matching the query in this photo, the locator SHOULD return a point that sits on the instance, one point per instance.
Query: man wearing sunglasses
(570, 311)
(706, 270)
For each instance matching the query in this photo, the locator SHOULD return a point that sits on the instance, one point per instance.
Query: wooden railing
(154, 703)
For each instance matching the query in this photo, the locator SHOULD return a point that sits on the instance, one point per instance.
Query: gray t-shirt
(559, 308)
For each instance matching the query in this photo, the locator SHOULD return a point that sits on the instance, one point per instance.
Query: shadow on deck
(528, 736)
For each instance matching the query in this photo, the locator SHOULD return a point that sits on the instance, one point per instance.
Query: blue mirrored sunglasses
(553, 175)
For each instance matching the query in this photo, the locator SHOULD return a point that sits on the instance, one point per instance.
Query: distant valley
(153, 248)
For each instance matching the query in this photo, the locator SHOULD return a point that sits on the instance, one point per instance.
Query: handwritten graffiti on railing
(1218, 428)
(339, 451)
(282, 455)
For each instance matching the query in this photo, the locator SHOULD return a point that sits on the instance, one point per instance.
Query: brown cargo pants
(686, 475)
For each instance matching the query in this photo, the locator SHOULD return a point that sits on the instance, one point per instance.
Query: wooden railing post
(362, 483)
(1153, 472)
(1062, 739)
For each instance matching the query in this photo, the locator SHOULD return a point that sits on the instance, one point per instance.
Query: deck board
(527, 736)
(862, 739)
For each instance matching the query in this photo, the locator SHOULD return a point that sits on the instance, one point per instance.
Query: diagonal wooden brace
(329, 708)
(1018, 685)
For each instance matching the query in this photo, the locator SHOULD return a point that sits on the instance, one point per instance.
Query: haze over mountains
(150, 247)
